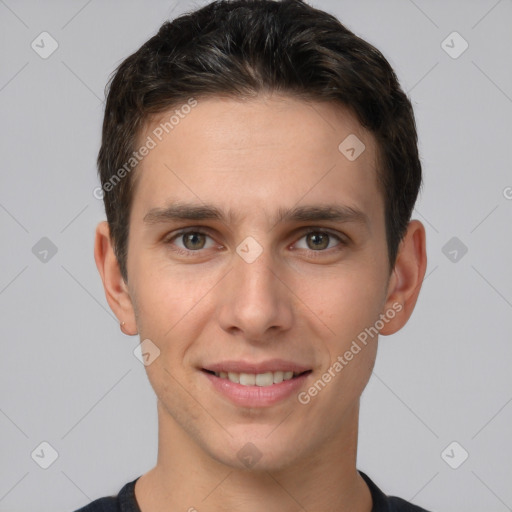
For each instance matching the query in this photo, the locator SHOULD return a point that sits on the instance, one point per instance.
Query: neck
(187, 478)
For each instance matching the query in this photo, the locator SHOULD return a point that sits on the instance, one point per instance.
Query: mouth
(259, 384)
(266, 379)
(256, 390)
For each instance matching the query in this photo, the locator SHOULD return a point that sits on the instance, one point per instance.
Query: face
(257, 247)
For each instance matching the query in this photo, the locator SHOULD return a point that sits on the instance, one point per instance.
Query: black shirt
(125, 501)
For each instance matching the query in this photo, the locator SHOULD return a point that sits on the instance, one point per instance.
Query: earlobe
(116, 290)
(407, 277)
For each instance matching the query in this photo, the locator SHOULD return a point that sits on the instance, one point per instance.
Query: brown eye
(320, 241)
(317, 240)
(193, 240)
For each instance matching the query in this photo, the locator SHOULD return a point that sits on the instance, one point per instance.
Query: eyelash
(191, 253)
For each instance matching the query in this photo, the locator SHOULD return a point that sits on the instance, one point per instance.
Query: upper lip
(271, 365)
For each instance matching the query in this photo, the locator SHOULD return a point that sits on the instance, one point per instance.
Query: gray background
(69, 377)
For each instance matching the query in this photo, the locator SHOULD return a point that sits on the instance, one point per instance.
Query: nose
(256, 304)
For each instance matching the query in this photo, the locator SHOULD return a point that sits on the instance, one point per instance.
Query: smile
(258, 379)
(252, 390)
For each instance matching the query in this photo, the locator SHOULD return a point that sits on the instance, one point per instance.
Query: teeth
(264, 379)
(278, 377)
(258, 379)
(233, 377)
(248, 379)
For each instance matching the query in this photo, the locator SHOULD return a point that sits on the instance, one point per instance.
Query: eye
(190, 241)
(319, 241)
(193, 241)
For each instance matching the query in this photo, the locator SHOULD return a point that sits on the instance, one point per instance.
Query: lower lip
(256, 396)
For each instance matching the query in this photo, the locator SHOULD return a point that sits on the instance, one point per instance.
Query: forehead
(258, 155)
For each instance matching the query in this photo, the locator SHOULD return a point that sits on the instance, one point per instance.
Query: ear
(406, 279)
(116, 290)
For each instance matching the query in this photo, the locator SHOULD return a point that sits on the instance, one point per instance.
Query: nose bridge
(254, 298)
(256, 275)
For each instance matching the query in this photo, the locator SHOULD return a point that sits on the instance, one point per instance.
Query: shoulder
(384, 503)
(108, 504)
(124, 501)
(400, 505)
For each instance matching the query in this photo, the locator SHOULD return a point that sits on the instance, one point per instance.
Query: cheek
(163, 295)
(351, 313)
(346, 301)
(171, 308)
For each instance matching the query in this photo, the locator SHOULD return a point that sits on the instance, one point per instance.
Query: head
(243, 107)
(244, 48)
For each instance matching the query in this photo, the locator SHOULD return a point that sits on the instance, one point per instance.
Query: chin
(258, 452)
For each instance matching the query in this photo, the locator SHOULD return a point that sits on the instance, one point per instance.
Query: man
(259, 166)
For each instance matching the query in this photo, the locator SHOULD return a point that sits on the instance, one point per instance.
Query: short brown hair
(240, 48)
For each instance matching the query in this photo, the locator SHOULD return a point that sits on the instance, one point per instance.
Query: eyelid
(318, 229)
(191, 229)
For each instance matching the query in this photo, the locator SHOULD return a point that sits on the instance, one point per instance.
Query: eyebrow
(312, 213)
